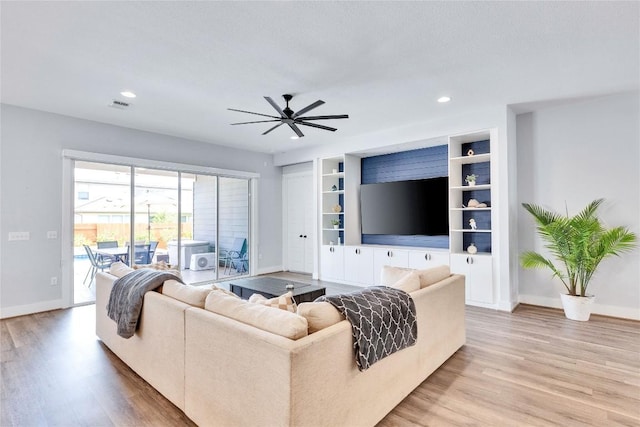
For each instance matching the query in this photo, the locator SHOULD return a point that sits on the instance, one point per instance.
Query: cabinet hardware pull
(469, 260)
(427, 257)
(305, 236)
(389, 254)
(357, 251)
(300, 235)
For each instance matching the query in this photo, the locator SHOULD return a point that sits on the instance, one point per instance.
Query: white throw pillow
(433, 275)
(408, 283)
(119, 269)
(319, 315)
(391, 275)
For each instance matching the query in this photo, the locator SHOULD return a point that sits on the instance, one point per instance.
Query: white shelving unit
(477, 267)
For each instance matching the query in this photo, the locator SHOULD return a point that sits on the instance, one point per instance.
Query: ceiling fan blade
(251, 112)
(307, 108)
(336, 116)
(279, 124)
(276, 106)
(296, 129)
(259, 121)
(313, 125)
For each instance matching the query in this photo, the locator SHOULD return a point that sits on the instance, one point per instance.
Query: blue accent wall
(431, 162)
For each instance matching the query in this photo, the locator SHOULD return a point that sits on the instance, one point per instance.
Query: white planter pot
(472, 183)
(335, 227)
(577, 308)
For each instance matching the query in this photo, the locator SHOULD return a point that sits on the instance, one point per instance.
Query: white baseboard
(21, 310)
(606, 310)
(268, 270)
(507, 305)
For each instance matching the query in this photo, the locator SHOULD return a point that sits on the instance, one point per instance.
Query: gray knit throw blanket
(383, 321)
(127, 295)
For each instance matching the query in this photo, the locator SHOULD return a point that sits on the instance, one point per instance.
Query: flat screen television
(418, 207)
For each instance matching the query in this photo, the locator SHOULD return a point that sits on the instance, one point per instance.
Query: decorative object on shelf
(331, 242)
(470, 152)
(335, 223)
(334, 170)
(472, 249)
(471, 179)
(337, 208)
(334, 188)
(579, 243)
(472, 203)
(481, 205)
(472, 224)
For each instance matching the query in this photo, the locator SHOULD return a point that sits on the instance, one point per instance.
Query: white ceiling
(383, 63)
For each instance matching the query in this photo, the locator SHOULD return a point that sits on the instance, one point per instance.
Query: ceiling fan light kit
(292, 118)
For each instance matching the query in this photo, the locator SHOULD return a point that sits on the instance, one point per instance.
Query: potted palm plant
(578, 244)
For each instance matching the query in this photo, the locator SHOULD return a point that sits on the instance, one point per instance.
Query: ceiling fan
(291, 118)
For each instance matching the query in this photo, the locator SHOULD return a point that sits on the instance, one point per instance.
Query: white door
(299, 222)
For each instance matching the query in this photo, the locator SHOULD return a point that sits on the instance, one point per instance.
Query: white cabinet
(421, 259)
(332, 262)
(478, 273)
(358, 265)
(388, 256)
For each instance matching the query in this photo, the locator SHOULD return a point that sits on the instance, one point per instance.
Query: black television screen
(419, 207)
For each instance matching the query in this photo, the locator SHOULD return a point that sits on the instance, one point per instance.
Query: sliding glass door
(196, 223)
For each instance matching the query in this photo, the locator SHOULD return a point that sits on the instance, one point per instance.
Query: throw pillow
(319, 315)
(192, 295)
(391, 275)
(119, 269)
(283, 302)
(408, 283)
(279, 322)
(159, 266)
(433, 275)
(223, 291)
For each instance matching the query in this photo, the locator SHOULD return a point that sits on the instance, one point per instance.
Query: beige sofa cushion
(319, 315)
(192, 295)
(391, 275)
(283, 302)
(119, 269)
(279, 322)
(433, 275)
(409, 282)
(428, 276)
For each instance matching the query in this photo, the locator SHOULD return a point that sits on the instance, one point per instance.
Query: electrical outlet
(54, 281)
(52, 234)
(19, 235)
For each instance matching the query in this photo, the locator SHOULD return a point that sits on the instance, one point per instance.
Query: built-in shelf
(337, 174)
(333, 229)
(478, 158)
(471, 209)
(333, 192)
(472, 187)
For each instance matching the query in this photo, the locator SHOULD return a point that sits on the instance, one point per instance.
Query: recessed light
(443, 99)
(128, 94)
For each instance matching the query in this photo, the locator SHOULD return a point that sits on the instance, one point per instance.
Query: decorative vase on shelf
(334, 188)
(472, 249)
(337, 208)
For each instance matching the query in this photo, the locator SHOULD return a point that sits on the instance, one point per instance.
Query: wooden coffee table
(271, 287)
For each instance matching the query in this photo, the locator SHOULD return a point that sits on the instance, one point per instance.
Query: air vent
(121, 105)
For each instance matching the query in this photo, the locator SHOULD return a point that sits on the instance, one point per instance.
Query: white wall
(31, 177)
(573, 154)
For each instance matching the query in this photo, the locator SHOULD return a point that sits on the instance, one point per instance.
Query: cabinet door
(358, 265)
(332, 262)
(388, 256)
(478, 273)
(427, 259)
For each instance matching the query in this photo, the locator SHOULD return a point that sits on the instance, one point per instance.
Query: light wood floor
(531, 367)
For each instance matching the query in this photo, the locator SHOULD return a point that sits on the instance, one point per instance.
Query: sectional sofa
(225, 361)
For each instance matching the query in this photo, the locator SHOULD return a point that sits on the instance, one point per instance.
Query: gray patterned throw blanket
(383, 321)
(127, 294)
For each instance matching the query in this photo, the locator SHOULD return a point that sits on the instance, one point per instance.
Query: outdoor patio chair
(141, 254)
(234, 256)
(152, 250)
(104, 245)
(96, 265)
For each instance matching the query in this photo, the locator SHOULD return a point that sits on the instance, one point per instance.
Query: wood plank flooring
(532, 367)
